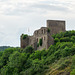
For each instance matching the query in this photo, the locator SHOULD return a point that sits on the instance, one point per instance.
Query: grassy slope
(64, 65)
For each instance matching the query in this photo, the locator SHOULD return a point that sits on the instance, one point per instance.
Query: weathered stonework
(44, 33)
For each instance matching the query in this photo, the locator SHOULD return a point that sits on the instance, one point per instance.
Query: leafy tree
(28, 49)
(72, 72)
(5, 56)
(56, 40)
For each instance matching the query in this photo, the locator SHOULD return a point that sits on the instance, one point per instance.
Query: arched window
(44, 38)
(37, 32)
(42, 31)
(37, 39)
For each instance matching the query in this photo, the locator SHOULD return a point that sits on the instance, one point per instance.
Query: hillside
(2, 48)
(58, 59)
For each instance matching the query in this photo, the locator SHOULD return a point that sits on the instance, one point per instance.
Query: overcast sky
(17, 16)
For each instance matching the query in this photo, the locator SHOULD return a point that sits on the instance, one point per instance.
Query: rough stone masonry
(42, 38)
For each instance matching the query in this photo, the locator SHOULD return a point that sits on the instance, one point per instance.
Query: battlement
(44, 33)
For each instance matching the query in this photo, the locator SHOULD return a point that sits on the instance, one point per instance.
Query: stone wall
(56, 26)
(43, 33)
(24, 42)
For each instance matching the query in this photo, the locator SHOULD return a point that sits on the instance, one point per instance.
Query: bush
(29, 49)
(56, 40)
(72, 72)
(37, 44)
(63, 66)
(36, 55)
(73, 62)
(40, 42)
(65, 39)
(66, 52)
(24, 36)
(48, 30)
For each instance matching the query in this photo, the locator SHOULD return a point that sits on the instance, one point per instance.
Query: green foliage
(24, 36)
(48, 30)
(37, 44)
(65, 39)
(56, 40)
(17, 61)
(64, 65)
(36, 55)
(5, 56)
(40, 42)
(64, 34)
(73, 62)
(36, 69)
(72, 72)
(29, 49)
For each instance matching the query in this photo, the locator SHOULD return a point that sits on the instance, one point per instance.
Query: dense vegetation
(59, 59)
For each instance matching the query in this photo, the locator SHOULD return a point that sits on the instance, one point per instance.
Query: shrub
(56, 40)
(72, 72)
(65, 39)
(57, 54)
(36, 55)
(48, 30)
(62, 66)
(73, 62)
(29, 49)
(66, 51)
(24, 36)
(37, 44)
(40, 42)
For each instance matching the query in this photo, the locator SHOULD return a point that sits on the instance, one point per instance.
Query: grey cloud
(50, 7)
(34, 7)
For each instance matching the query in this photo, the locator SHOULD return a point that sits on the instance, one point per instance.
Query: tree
(29, 49)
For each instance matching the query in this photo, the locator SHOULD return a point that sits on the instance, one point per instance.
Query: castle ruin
(42, 38)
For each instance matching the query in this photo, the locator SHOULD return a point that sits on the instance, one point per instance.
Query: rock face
(44, 33)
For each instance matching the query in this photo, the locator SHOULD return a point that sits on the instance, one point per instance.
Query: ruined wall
(43, 33)
(24, 42)
(56, 26)
(50, 40)
(33, 42)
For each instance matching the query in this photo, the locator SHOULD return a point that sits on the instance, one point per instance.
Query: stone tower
(56, 26)
(44, 33)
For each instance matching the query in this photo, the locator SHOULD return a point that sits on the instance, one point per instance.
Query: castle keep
(42, 38)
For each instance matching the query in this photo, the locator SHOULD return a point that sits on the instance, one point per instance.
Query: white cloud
(16, 16)
(25, 6)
